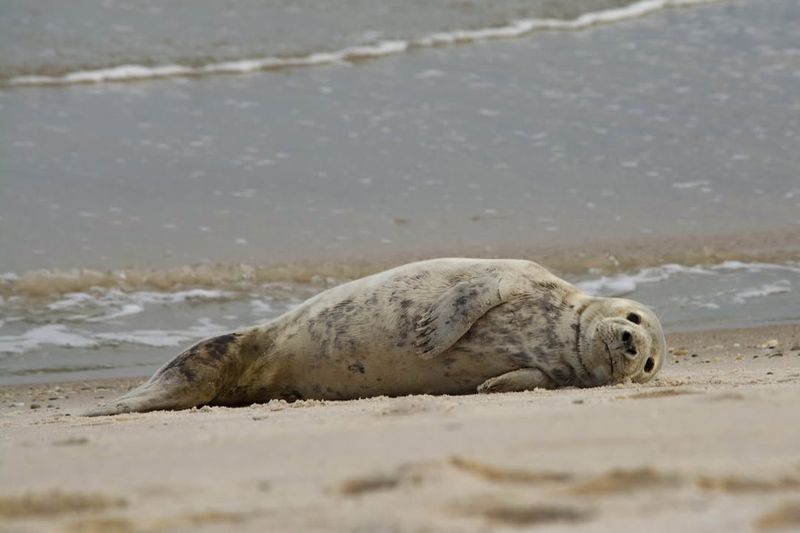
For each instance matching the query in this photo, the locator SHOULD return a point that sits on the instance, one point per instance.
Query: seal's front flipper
(193, 378)
(518, 380)
(454, 313)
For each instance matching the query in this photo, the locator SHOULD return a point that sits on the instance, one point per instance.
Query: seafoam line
(514, 29)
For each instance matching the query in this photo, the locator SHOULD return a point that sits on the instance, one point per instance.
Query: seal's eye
(633, 317)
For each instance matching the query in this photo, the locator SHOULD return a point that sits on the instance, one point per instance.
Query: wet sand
(712, 444)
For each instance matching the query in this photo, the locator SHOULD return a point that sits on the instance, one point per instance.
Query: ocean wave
(517, 28)
(626, 283)
(66, 336)
(766, 289)
(123, 304)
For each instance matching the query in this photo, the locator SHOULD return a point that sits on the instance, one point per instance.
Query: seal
(442, 326)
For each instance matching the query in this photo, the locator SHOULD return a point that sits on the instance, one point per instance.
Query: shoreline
(562, 258)
(707, 445)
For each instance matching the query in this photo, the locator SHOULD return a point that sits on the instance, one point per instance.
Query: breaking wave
(517, 28)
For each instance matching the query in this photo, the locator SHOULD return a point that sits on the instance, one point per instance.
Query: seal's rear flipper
(160, 393)
(151, 396)
(193, 378)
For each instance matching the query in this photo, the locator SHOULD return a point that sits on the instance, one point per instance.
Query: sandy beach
(713, 444)
(167, 175)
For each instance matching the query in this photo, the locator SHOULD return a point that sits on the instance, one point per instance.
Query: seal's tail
(193, 378)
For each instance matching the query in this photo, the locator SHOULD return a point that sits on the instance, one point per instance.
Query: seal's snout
(629, 344)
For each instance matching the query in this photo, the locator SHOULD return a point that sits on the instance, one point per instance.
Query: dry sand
(712, 445)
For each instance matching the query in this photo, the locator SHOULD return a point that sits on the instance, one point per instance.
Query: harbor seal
(442, 326)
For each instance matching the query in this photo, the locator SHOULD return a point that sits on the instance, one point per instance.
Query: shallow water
(683, 121)
(186, 188)
(90, 40)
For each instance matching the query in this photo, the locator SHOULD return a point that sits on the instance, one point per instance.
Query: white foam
(766, 289)
(9, 276)
(715, 294)
(621, 284)
(147, 297)
(126, 310)
(119, 73)
(513, 29)
(690, 184)
(70, 300)
(122, 304)
(757, 267)
(62, 336)
(54, 334)
(261, 307)
(151, 337)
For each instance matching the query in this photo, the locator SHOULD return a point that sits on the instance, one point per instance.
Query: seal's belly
(341, 369)
(365, 375)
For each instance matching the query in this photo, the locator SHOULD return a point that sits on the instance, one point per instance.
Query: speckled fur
(444, 326)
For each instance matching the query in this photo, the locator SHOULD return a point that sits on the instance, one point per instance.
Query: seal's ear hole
(649, 365)
(633, 317)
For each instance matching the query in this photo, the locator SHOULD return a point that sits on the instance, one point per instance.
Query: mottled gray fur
(444, 326)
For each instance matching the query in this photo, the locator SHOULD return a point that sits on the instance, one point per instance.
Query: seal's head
(620, 339)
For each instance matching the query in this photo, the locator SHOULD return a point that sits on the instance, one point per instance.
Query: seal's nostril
(626, 336)
(649, 365)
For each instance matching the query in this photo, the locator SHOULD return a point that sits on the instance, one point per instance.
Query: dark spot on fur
(217, 347)
(511, 339)
(358, 366)
(182, 363)
(345, 306)
(187, 373)
(422, 274)
(520, 359)
(455, 279)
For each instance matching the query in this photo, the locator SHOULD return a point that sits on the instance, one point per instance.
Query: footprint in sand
(106, 524)
(659, 393)
(620, 481)
(507, 475)
(47, 504)
(743, 485)
(520, 514)
(784, 517)
(408, 474)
